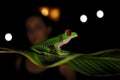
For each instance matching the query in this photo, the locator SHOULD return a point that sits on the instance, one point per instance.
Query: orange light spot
(44, 11)
(55, 14)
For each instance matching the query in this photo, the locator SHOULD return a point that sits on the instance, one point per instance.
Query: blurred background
(94, 35)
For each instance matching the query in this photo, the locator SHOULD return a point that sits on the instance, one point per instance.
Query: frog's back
(52, 41)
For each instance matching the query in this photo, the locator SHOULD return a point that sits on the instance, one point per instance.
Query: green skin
(53, 45)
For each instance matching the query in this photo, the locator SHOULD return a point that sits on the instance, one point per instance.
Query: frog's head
(68, 35)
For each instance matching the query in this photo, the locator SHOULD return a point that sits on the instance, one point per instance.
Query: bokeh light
(100, 14)
(8, 37)
(44, 11)
(55, 14)
(83, 18)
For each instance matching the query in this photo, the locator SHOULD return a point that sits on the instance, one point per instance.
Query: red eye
(68, 32)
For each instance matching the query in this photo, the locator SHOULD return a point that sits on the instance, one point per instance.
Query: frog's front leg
(59, 51)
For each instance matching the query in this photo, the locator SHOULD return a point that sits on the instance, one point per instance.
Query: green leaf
(102, 63)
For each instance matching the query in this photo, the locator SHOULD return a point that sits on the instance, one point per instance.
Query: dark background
(94, 35)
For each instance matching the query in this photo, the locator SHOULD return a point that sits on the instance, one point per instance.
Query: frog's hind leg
(40, 49)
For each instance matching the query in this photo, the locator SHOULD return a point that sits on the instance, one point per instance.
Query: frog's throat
(60, 44)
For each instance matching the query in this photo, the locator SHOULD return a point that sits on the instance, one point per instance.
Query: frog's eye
(68, 32)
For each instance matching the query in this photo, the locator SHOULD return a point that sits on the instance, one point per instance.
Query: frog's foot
(65, 51)
(62, 52)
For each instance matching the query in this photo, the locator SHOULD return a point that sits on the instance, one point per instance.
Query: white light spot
(83, 18)
(100, 14)
(8, 37)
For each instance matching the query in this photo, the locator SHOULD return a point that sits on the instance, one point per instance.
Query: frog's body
(53, 45)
